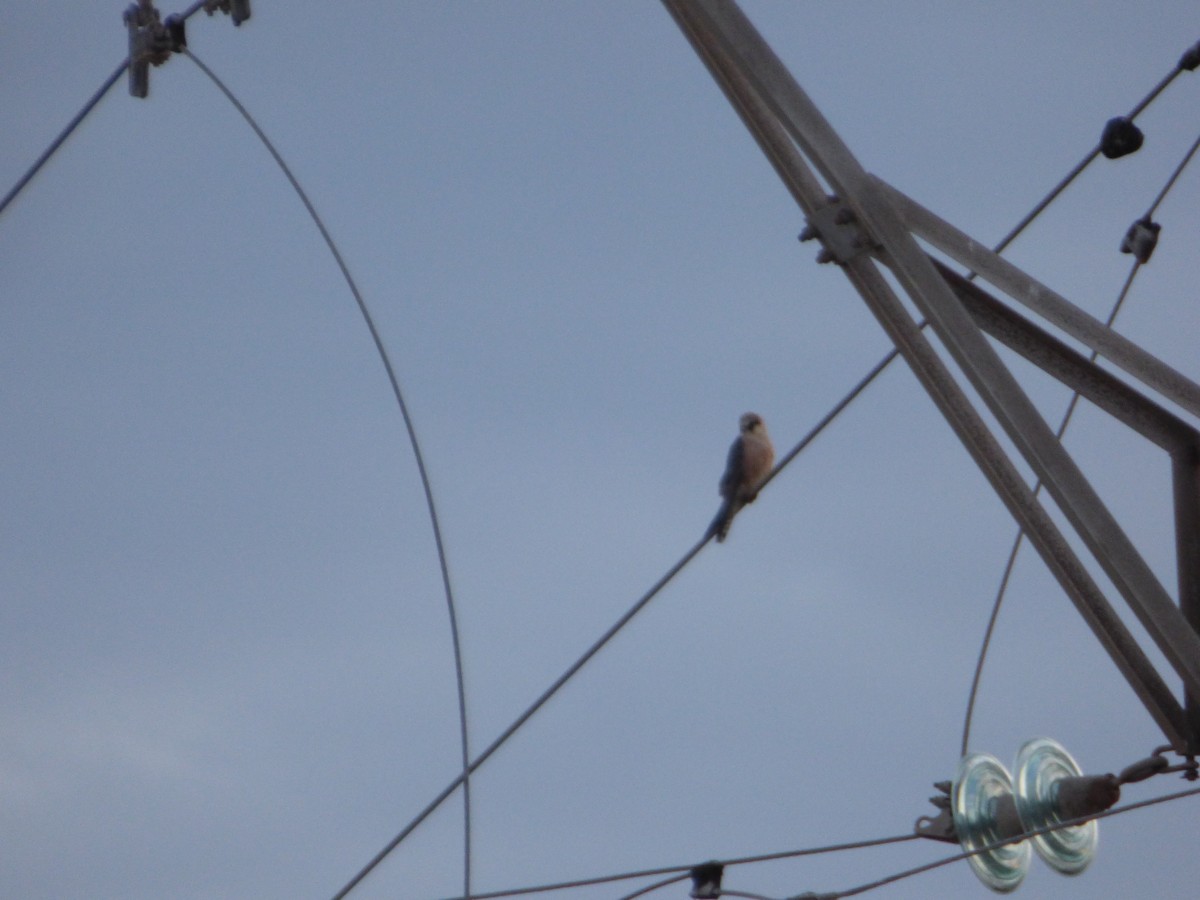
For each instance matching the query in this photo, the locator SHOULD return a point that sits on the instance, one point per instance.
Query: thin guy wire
(525, 716)
(958, 857)
(1083, 164)
(1174, 177)
(995, 845)
(1018, 541)
(667, 870)
(604, 639)
(821, 425)
(998, 248)
(63, 135)
(841, 405)
(75, 122)
(651, 888)
(1020, 538)
(464, 780)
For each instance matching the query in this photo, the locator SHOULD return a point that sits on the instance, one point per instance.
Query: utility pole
(866, 227)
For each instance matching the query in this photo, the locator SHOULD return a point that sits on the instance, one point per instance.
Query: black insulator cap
(1191, 59)
(1120, 138)
(706, 881)
(177, 32)
(1143, 769)
(1141, 239)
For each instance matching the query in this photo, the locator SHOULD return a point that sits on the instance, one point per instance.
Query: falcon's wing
(734, 467)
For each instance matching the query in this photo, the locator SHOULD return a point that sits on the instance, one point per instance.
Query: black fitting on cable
(706, 881)
(1143, 769)
(149, 44)
(1141, 239)
(177, 32)
(1120, 138)
(238, 9)
(1191, 59)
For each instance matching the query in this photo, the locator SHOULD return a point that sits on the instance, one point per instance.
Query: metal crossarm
(865, 224)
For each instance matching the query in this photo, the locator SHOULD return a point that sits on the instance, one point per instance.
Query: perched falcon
(750, 460)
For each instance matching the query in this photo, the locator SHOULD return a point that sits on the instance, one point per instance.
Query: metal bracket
(238, 9)
(941, 826)
(150, 43)
(1141, 239)
(842, 237)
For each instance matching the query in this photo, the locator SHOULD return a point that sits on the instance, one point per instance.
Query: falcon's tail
(719, 528)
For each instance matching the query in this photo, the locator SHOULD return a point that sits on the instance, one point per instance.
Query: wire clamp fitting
(706, 881)
(238, 9)
(1141, 239)
(941, 826)
(1120, 138)
(841, 236)
(1191, 58)
(150, 43)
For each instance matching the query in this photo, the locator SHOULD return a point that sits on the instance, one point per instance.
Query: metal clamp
(150, 43)
(1141, 239)
(238, 9)
(841, 235)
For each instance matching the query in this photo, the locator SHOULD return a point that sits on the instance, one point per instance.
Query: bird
(750, 460)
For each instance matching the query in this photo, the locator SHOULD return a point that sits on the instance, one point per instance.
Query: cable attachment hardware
(1158, 765)
(1141, 239)
(150, 43)
(706, 881)
(1120, 138)
(838, 229)
(238, 9)
(941, 826)
(1144, 768)
(1191, 59)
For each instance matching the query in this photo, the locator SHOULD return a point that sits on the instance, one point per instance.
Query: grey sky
(225, 664)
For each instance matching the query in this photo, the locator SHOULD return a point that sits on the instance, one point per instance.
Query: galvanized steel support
(869, 224)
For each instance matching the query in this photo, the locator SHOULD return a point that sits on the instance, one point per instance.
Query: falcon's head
(752, 423)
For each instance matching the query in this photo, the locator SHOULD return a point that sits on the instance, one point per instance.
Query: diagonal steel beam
(761, 87)
(1072, 368)
(1053, 307)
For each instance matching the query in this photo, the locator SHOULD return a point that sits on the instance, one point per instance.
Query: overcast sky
(225, 658)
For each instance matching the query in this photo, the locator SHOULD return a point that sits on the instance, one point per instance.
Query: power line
(1020, 538)
(650, 888)
(958, 857)
(603, 639)
(1187, 158)
(525, 716)
(947, 861)
(826, 420)
(1186, 63)
(412, 437)
(63, 135)
(669, 870)
(1062, 428)
(77, 119)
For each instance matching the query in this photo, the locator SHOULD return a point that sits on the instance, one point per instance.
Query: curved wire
(575, 667)
(1018, 541)
(958, 857)
(63, 135)
(657, 885)
(986, 848)
(1187, 158)
(1020, 538)
(1081, 165)
(525, 716)
(685, 869)
(464, 780)
(77, 119)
